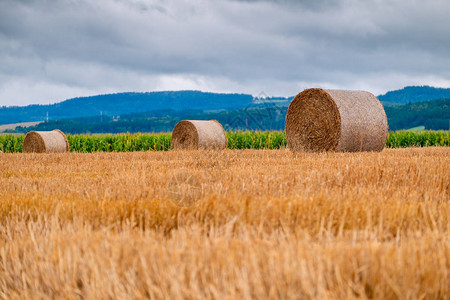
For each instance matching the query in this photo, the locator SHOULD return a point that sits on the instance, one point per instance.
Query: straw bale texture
(336, 120)
(45, 142)
(194, 134)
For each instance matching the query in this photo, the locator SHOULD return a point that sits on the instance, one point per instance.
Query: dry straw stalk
(270, 225)
(45, 142)
(195, 134)
(336, 120)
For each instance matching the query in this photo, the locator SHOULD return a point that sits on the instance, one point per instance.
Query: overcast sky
(51, 50)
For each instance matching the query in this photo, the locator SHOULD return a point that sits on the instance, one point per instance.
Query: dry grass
(268, 224)
(13, 126)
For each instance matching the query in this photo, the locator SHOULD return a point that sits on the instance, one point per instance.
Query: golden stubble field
(226, 225)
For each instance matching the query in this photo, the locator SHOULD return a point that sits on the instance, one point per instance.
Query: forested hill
(431, 114)
(124, 103)
(121, 104)
(413, 94)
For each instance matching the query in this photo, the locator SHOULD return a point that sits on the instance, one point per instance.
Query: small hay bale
(45, 142)
(336, 120)
(194, 134)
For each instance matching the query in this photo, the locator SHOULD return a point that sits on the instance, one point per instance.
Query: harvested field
(15, 125)
(267, 224)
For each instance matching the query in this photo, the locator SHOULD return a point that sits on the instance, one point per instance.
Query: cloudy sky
(51, 50)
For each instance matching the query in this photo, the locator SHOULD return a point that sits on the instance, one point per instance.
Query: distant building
(261, 98)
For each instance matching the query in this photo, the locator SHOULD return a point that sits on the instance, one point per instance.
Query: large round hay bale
(45, 142)
(336, 120)
(194, 134)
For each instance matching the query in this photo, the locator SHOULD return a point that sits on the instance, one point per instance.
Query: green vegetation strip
(236, 140)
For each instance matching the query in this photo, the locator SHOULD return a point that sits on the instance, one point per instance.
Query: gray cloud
(52, 50)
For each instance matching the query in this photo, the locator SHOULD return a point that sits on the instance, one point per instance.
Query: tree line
(434, 115)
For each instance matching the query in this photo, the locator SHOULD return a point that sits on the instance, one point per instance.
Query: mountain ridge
(434, 114)
(134, 102)
(123, 103)
(414, 94)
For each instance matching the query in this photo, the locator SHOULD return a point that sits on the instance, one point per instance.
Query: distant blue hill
(130, 103)
(433, 115)
(413, 94)
(124, 103)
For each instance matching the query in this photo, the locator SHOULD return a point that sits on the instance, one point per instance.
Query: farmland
(236, 140)
(232, 224)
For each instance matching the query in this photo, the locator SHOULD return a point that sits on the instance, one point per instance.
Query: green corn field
(10, 143)
(256, 140)
(236, 140)
(403, 139)
(119, 142)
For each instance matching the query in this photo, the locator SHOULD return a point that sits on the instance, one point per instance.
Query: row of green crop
(256, 140)
(236, 140)
(11, 143)
(426, 138)
(119, 142)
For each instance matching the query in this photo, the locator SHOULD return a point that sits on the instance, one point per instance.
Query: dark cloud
(307, 4)
(51, 50)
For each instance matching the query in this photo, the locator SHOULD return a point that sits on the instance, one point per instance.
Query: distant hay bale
(45, 142)
(194, 134)
(336, 120)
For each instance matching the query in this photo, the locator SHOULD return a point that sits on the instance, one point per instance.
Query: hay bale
(45, 142)
(194, 134)
(336, 120)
